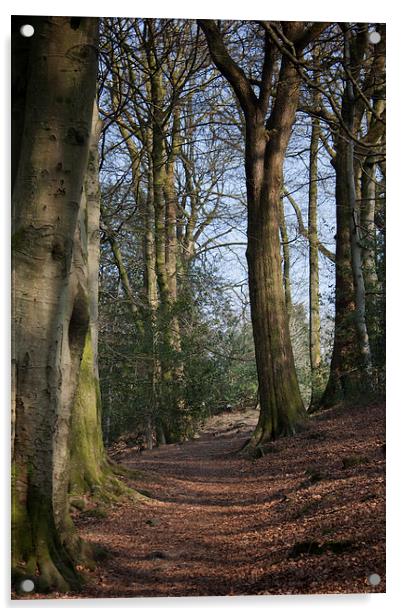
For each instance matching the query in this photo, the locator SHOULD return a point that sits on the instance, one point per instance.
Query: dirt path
(308, 517)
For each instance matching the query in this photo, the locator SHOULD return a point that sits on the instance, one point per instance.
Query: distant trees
(176, 130)
(161, 117)
(357, 124)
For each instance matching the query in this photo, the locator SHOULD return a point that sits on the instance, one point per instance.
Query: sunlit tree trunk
(354, 223)
(282, 408)
(171, 423)
(314, 281)
(369, 250)
(51, 306)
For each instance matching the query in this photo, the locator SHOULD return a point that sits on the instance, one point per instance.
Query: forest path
(308, 517)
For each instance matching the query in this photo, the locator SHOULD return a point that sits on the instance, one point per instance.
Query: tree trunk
(369, 253)
(314, 281)
(282, 408)
(354, 224)
(351, 367)
(171, 421)
(286, 258)
(51, 304)
(344, 374)
(90, 472)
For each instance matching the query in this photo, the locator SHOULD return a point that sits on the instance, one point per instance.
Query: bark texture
(343, 377)
(90, 473)
(51, 308)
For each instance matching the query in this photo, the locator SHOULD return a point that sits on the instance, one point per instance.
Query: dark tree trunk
(351, 368)
(344, 375)
(282, 408)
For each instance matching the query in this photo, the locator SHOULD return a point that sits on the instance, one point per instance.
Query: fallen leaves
(306, 517)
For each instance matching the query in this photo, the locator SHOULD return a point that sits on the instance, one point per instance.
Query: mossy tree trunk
(50, 300)
(282, 409)
(90, 472)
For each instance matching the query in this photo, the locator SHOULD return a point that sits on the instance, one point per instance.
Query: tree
(351, 371)
(314, 280)
(266, 140)
(160, 117)
(91, 473)
(51, 306)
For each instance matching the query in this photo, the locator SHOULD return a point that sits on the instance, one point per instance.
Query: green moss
(86, 439)
(37, 550)
(97, 513)
(91, 473)
(78, 503)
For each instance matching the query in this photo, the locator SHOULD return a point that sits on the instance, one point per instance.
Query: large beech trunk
(51, 308)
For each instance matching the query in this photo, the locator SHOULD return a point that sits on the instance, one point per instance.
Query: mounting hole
(27, 585)
(374, 579)
(374, 37)
(27, 30)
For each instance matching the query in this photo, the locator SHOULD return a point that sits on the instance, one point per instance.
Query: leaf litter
(306, 517)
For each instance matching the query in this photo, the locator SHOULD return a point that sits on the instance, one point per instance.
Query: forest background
(394, 214)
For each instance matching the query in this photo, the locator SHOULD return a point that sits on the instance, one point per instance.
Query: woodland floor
(307, 517)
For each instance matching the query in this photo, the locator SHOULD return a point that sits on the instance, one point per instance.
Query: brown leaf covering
(306, 517)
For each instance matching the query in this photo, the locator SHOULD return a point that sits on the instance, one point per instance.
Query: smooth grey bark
(50, 300)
